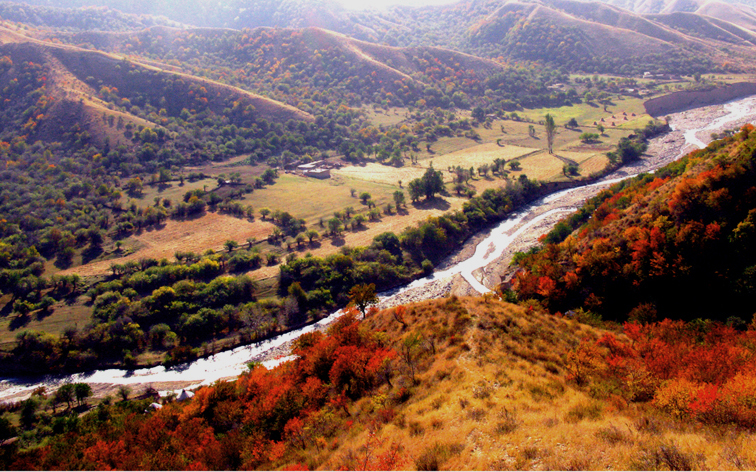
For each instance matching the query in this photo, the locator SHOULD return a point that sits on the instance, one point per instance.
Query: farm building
(318, 173)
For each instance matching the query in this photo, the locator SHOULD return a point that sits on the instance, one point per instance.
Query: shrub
(584, 411)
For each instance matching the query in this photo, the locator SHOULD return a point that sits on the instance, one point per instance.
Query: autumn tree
(362, 296)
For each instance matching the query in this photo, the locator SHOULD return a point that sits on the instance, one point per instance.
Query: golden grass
(480, 154)
(494, 397)
(209, 231)
(379, 173)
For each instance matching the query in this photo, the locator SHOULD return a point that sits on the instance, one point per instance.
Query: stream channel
(690, 130)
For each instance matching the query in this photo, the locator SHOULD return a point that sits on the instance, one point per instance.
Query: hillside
(75, 79)
(563, 33)
(457, 383)
(73, 19)
(293, 66)
(637, 247)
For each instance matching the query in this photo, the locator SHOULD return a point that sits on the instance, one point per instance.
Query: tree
(334, 226)
(312, 234)
(362, 296)
(398, 199)
(432, 182)
(600, 128)
(264, 212)
(124, 392)
(365, 196)
(230, 245)
(82, 391)
(572, 123)
(479, 114)
(515, 165)
(415, 189)
(65, 393)
(550, 128)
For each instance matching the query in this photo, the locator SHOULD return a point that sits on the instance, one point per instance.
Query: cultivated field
(481, 154)
(380, 173)
(209, 231)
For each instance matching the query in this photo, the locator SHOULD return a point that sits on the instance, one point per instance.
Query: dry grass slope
(490, 394)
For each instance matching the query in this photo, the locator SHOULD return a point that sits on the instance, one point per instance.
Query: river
(482, 270)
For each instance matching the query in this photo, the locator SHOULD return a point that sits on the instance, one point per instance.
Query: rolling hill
(74, 80)
(636, 247)
(564, 33)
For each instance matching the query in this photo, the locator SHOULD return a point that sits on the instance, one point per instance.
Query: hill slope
(459, 383)
(562, 32)
(77, 76)
(641, 246)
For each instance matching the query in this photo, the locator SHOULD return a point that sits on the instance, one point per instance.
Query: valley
(293, 235)
(485, 257)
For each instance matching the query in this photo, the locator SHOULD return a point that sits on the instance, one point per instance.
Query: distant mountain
(86, 18)
(580, 36)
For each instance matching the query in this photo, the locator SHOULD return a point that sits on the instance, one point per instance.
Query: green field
(312, 199)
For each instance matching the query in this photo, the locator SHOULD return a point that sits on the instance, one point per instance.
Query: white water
(231, 363)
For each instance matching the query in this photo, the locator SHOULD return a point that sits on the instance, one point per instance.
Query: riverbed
(476, 268)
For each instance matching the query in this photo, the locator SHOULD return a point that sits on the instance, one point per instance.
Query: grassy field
(379, 173)
(312, 199)
(208, 231)
(172, 191)
(586, 114)
(315, 200)
(481, 154)
(64, 314)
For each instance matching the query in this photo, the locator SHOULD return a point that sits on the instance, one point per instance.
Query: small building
(318, 173)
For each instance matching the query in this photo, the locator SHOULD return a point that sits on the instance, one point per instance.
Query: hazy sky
(378, 4)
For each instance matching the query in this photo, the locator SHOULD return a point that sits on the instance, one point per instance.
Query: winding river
(691, 129)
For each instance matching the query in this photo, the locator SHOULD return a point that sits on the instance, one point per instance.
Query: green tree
(362, 296)
(415, 189)
(312, 234)
(433, 182)
(478, 114)
(365, 196)
(550, 128)
(334, 226)
(65, 393)
(398, 199)
(230, 245)
(82, 391)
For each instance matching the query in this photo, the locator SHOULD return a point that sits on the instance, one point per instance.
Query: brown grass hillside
(490, 393)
